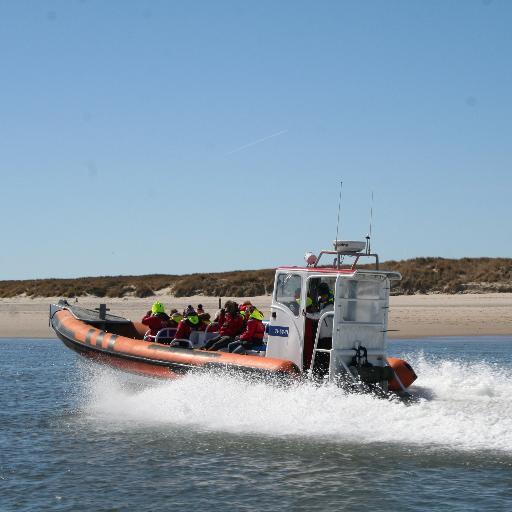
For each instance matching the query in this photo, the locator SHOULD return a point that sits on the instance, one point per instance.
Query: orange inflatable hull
(403, 371)
(125, 349)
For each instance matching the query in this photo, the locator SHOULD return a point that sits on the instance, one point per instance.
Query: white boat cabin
(326, 317)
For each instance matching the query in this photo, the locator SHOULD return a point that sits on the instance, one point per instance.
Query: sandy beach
(411, 316)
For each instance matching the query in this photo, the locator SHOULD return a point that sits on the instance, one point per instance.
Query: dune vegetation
(420, 275)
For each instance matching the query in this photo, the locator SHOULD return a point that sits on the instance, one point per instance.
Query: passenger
(233, 326)
(245, 305)
(190, 322)
(175, 319)
(253, 334)
(243, 310)
(188, 308)
(205, 317)
(325, 296)
(156, 319)
(220, 316)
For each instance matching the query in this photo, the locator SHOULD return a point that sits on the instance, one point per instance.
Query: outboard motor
(368, 373)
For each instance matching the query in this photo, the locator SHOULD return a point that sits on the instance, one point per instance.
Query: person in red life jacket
(233, 326)
(244, 311)
(200, 309)
(220, 318)
(156, 319)
(253, 334)
(190, 322)
(246, 305)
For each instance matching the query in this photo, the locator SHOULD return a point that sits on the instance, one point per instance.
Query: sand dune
(410, 316)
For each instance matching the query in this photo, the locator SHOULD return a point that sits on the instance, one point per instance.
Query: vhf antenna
(339, 209)
(337, 260)
(369, 235)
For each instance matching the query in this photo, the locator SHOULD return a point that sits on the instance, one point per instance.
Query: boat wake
(463, 406)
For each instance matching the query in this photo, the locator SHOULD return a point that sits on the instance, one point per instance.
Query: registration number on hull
(276, 330)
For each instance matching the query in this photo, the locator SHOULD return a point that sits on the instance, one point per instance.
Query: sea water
(78, 436)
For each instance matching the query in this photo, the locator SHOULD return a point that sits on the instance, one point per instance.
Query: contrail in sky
(256, 142)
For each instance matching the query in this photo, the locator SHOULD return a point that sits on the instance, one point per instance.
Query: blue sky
(174, 137)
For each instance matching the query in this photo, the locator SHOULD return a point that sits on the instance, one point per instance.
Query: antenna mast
(369, 235)
(339, 209)
(337, 259)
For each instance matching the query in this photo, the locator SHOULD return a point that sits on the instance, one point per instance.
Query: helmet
(257, 315)
(157, 307)
(193, 318)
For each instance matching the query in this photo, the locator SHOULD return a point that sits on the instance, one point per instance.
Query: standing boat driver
(156, 319)
(325, 296)
(190, 322)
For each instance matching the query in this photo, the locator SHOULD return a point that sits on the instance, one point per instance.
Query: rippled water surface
(76, 436)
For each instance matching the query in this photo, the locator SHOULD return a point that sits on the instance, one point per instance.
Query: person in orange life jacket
(156, 318)
(253, 334)
(232, 326)
(189, 323)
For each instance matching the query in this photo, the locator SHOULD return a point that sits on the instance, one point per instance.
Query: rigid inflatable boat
(341, 340)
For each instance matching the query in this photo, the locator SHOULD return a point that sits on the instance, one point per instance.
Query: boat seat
(165, 335)
(258, 350)
(199, 338)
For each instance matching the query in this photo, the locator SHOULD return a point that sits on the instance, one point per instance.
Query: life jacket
(325, 302)
(156, 322)
(254, 331)
(232, 326)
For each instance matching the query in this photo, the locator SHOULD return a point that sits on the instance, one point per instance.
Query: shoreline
(410, 316)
